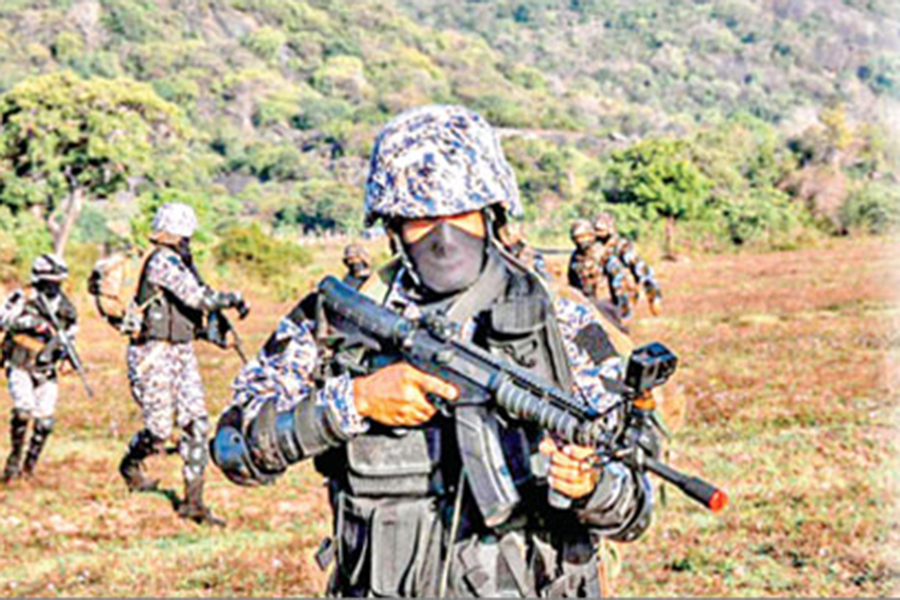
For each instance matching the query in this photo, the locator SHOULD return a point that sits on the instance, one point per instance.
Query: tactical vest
(166, 317)
(392, 489)
(516, 324)
(20, 349)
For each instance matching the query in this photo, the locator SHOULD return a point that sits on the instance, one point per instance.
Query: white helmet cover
(176, 219)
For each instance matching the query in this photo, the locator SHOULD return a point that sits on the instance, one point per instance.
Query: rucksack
(113, 283)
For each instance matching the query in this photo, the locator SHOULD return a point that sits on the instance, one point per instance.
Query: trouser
(389, 547)
(34, 394)
(165, 383)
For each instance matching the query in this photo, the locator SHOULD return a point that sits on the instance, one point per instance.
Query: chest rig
(166, 317)
(511, 315)
(21, 349)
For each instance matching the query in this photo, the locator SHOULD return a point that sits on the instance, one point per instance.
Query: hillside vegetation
(739, 122)
(673, 62)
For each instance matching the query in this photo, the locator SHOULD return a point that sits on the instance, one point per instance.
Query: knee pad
(44, 426)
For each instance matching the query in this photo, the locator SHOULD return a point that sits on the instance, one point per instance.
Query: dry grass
(790, 406)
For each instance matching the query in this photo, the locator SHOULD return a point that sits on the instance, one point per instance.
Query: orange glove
(396, 395)
(572, 472)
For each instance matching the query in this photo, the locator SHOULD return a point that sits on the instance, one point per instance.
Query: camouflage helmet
(356, 253)
(175, 219)
(604, 225)
(438, 161)
(581, 228)
(49, 267)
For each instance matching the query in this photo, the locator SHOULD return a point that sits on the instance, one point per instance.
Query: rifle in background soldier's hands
(62, 347)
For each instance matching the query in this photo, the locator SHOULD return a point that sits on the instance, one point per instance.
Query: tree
(64, 140)
(660, 177)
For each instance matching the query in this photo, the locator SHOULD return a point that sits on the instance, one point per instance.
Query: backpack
(113, 283)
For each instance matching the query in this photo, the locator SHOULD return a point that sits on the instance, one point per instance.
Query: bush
(770, 219)
(874, 208)
(272, 261)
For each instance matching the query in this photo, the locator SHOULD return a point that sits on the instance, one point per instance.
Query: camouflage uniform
(162, 367)
(32, 353)
(630, 263)
(393, 490)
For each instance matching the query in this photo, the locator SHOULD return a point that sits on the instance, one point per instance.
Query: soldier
(162, 367)
(513, 239)
(582, 271)
(591, 263)
(359, 265)
(404, 524)
(626, 253)
(32, 352)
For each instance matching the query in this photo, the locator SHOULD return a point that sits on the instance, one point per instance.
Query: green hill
(763, 110)
(682, 61)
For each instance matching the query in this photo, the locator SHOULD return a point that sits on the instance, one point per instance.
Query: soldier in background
(162, 367)
(513, 239)
(359, 265)
(32, 352)
(591, 263)
(625, 252)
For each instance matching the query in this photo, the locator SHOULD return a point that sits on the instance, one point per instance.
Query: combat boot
(18, 429)
(193, 509)
(42, 430)
(142, 446)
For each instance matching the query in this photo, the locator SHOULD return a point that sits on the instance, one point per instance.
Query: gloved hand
(572, 472)
(54, 351)
(396, 395)
(221, 300)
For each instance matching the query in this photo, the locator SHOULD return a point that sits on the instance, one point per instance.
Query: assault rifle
(430, 344)
(68, 346)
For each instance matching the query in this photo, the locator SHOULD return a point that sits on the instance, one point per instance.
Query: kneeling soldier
(405, 519)
(32, 352)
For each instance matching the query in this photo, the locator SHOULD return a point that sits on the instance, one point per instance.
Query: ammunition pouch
(387, 548)
(399, 463)
(566, 569)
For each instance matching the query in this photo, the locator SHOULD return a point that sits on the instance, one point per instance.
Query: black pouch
(390, 464)
(401, 550)
(518, 330)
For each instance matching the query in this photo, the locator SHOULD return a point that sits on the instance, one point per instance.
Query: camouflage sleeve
(283, 373)
(639, 268)
(620, 506)
(166, 270)
(12, 311)
(592, 357)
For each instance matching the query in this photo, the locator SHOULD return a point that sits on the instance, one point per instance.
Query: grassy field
(790, 405)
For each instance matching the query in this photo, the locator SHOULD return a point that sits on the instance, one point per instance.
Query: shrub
(874, 208)
(272, 261)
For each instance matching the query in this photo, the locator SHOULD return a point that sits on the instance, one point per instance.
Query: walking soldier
(162, 367)
(32, 351)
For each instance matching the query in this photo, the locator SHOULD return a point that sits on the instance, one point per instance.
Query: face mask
(448, 259)
(48, 289)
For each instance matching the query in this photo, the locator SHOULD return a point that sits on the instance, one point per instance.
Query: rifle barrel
(695, 488)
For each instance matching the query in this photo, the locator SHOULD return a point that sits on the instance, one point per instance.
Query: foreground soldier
(359, 265)
(162, 366)
(405, 520)
(626, 253)
(32, 352)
